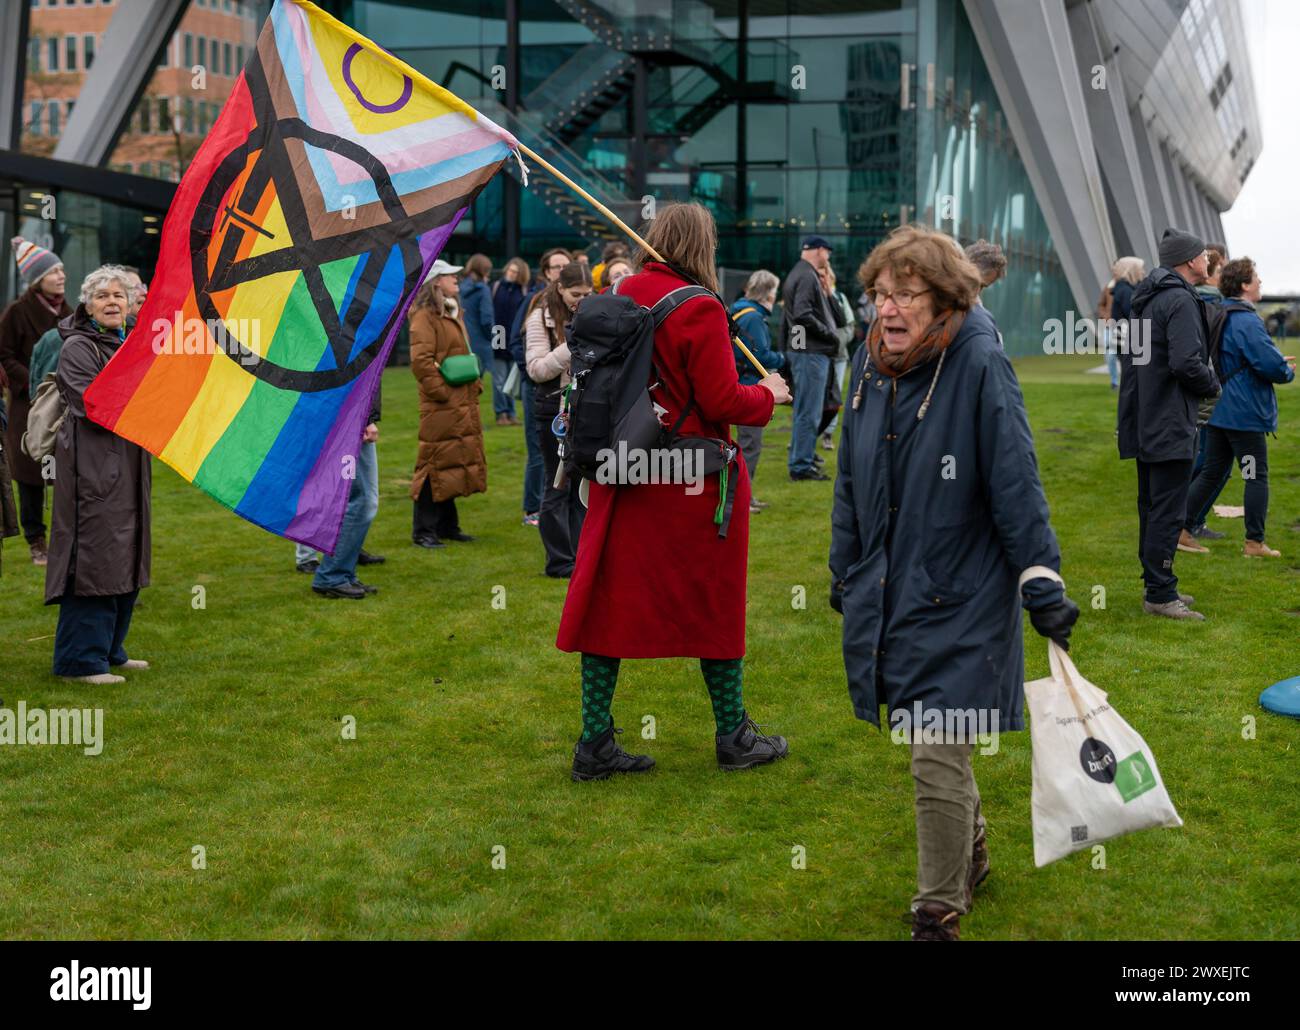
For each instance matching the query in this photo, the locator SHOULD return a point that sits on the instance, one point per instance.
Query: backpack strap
(1216, 359)
(671, 301)
(666, 305)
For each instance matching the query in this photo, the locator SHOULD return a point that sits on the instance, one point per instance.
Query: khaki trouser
(947, 821)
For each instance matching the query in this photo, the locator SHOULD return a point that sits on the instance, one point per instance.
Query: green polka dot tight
(724, 678)
(599, 674)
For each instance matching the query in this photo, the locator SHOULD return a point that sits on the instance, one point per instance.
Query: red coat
(652, 578)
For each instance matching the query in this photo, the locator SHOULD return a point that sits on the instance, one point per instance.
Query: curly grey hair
(760, 284)
(102, 276)
(989, 259)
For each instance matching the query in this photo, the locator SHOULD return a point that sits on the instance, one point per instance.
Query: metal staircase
(588, 84)
(529, 127)
(602, 74)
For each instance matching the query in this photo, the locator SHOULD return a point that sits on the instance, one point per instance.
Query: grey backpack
(43, 420)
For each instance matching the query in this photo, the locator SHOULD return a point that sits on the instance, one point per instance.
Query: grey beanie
(1178, 247)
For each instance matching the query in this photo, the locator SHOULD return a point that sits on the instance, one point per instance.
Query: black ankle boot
(745, 747)
(600, 758)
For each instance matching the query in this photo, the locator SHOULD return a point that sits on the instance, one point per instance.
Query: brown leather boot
(979, 865)
(932, 921)
(40, 554)
(1259, 549)
(1189, 543)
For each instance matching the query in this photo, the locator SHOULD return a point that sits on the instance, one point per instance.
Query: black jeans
(561, 516)
(31, 510)
(1162, 509)
(434, 518)
(1221, 446)
(91, 633)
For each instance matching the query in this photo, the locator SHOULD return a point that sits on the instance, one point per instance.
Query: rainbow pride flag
(296, 242)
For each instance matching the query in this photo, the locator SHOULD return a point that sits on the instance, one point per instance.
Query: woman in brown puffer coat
(451, 463)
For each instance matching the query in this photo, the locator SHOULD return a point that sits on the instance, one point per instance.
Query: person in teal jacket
(1249, 366)
(45, 359)
(750, 316)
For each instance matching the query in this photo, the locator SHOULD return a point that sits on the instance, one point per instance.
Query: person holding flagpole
(654, 576)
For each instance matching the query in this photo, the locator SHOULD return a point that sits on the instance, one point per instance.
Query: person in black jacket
(808, 337)
(1164, 372)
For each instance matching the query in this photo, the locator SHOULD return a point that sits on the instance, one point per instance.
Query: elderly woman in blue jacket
(750, 316)
(1249, 364)
(939, 536)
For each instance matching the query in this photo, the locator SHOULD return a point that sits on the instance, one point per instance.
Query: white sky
(1264, 223)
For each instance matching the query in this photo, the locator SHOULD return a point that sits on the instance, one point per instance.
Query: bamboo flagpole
(627, 229)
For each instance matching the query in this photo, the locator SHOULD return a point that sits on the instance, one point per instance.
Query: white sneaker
(134, 663)
(100, 679)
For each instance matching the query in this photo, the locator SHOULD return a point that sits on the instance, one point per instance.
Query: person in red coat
(654, 577)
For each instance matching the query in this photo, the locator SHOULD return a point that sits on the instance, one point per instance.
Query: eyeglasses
(902, 298)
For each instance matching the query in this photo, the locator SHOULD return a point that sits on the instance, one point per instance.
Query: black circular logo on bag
(1098, 760)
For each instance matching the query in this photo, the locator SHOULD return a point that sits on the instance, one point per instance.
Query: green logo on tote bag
(1134, 777)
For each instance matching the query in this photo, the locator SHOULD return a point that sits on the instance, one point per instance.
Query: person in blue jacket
(1249, 365)
(939, 536)
(476, 307)
(534, 470)
(508, 294)
(750, 316)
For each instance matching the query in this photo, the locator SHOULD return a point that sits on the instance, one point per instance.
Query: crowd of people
(930, 571)
(1196, 395)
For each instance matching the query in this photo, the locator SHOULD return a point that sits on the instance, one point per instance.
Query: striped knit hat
(34, 262)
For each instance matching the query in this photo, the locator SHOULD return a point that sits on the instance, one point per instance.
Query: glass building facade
(784, 117)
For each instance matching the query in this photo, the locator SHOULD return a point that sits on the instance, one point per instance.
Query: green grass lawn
(466, 715)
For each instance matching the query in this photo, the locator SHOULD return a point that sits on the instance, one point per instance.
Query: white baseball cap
(440, 267)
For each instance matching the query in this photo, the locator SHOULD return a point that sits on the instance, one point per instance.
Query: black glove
(1056, 620)
(837, 595)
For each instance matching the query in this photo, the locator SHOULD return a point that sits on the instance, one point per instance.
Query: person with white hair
(750, 316)
(100, 525)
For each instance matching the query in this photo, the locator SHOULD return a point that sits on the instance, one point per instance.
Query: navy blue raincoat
(933, 522)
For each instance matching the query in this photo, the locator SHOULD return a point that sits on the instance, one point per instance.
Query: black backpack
(611, 345)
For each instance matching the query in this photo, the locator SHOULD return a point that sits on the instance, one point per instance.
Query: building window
(203, 51)
(53, 113)
(239, 59)
(34, 55)
(187, 109)
(228, 58)
(164, 115)
(35, 125)
(146, 122)
(52, 54)
(70, 52)
(71, 104)
(88, 50)
(189, 51)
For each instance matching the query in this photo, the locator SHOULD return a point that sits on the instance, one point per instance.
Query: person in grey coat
(939, 535)
(99, 538)
(1161, 380)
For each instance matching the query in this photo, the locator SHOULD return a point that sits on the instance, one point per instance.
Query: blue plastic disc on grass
(1283, 698)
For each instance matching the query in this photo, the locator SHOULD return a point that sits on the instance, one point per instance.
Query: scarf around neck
(54, 305)
(935, 340)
